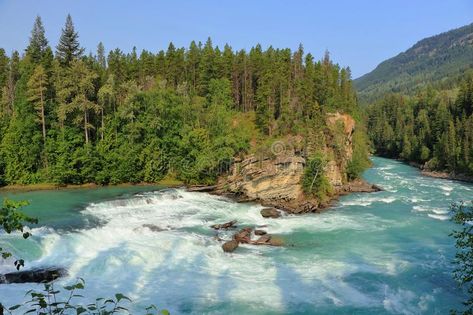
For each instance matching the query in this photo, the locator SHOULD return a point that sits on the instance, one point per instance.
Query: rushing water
(380, 253)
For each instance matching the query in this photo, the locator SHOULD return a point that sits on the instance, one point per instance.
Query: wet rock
(268, 240)
(230, 246)
(275, 241)
(260, 232)
(359, 185)
(263, 240)
(39, 275)
(270, 213)
(244, 236)
(153, 228)
(230, 224)
(202, 188)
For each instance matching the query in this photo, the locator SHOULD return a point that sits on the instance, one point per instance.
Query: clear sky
(359, 34)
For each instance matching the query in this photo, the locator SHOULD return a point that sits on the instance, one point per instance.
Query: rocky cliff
(274, 178)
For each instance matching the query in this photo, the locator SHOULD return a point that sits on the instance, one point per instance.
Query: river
(381, 253)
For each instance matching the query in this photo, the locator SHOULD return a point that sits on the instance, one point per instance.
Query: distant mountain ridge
(438, 60)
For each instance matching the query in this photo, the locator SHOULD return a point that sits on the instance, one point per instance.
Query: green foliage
(50, 301)
(360, 160)
(12, 220)
(68, 47)
(314, 181)
(437, 61)
(463, 216)
(185, 113)
(431, 128)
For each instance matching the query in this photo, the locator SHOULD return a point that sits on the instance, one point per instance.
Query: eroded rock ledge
(274, 180)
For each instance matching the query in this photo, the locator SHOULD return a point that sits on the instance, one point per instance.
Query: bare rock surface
(38, 275)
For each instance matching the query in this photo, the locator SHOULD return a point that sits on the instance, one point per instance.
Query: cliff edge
(275, 178)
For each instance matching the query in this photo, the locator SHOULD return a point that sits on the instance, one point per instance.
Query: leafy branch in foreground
(48, 302)
(12, 220)
(463, 273)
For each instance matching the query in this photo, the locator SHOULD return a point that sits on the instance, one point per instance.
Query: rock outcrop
(270, 213)
(227, 225)
(244, 236)
(39, 275)
(274, 178)
(230, 246)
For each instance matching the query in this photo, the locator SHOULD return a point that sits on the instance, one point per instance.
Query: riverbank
(168, 182)
(434, 174)
(445, 175)
(300, 205)
(440, 174)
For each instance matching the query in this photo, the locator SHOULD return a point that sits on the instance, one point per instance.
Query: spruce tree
(102, 61)
(38, 42)
(68, 48)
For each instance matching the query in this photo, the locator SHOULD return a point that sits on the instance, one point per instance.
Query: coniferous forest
(68, 117)
(433, 128)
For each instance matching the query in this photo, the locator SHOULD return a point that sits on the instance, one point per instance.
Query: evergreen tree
(37, 89)
(101, 60)
(38, 42)
(76, 94)
(68, 48)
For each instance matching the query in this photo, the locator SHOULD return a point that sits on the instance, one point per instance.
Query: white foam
(405, 302)
(439, 217)
(446, 188)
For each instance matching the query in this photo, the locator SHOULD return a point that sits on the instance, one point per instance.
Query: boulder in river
(230, 246)
(275, 241)
(153, 228)
(263, 240)
(244, 236)
(260, 232)
(202, 188)
(38, 275)
(270, 213)
(227, 225)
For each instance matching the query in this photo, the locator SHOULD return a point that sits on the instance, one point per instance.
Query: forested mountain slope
(438, 61)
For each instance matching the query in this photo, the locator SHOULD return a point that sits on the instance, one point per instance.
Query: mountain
(438, 60)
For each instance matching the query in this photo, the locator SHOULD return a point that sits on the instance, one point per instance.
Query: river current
(382, 253)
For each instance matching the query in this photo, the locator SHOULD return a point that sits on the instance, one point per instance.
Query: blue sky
(359, 34)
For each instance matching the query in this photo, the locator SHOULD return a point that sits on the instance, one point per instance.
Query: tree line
(71, 118)
(433, 128)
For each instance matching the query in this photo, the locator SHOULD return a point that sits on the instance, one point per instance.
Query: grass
(168, 181)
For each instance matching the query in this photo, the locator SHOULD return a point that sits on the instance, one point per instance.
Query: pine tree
(101, 60)
(68, 48)
(38, 42)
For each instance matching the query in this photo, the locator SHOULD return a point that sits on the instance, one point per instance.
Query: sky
(359, 34)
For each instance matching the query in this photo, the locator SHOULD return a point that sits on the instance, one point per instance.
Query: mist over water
(382, 253)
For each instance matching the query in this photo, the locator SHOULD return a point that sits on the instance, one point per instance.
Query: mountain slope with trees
(439, 61)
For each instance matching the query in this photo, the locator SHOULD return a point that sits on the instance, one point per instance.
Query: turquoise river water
(381, 253)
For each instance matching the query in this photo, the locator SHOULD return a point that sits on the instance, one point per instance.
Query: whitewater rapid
(359, 257)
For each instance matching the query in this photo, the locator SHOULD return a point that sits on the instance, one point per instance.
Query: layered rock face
(335, 169)
(275, 179)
